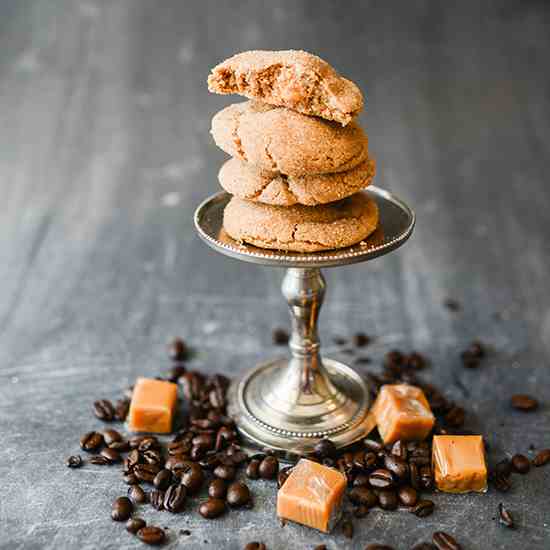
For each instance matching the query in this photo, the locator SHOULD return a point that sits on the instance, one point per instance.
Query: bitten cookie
(246, 181)
(294, 79)
(302, 228)
(281, 140)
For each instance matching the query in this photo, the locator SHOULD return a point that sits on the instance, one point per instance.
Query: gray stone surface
(105, 152)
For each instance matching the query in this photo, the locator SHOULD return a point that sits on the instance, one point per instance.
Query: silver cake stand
(288, 404)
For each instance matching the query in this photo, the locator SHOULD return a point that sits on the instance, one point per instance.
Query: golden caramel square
(402, 412)
(152, 406)
(312, 495)
(459, 463)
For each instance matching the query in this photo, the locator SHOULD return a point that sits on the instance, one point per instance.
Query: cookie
(294, 79)
(302, 228)
(246, 181)
(281, 140)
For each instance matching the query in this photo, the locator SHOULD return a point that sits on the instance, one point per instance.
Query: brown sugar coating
(294, 79)
(281, 140)
(302, 228)
(246, 181)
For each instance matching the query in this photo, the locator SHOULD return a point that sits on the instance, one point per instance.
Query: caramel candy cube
(402, 412)
(152, 406)
(459, 463)
(312, 495)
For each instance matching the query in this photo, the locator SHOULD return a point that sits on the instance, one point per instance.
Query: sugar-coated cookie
(302, 228)
(282, 140)
(246, 181)
(290, 78)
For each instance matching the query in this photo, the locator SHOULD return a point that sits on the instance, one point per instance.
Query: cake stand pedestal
(288, 404)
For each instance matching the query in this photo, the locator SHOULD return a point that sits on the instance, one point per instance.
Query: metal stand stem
(305, 381)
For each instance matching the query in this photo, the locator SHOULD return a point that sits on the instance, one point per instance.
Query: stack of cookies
(299, 159)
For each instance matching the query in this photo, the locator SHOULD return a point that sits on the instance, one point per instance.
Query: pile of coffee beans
(206, 453)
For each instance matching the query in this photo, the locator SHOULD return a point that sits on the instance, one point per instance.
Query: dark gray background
(104, 154)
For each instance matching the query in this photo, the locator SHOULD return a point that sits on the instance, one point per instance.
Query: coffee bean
(178, 447)
(162, 480)
(360, 340)
(502, 483)
(212, 508)
(174, 498)
(364, 496)
(133, 458)
(223, 436)
(151, 535)
(122, 509)
(398, 467)
(268, 468)
(520, 464)
(91, 441)
(74, 461)
(177, 350)
(381, 479)
(407, 495)
(238, 494)
(414, 476)
(133, 525)
(148, 443)
(146, 472)
(156, 498)
(109, 436)
(360, 511)
(120, 446)
(217, 489)
(455, 417)
(111, 455)
(280, 337)
(347, 529)
(424, 546)
(399, 449)
(361, 480)
(121, 409)
(505, 517)
(503, 468)
(104, 410)
(282, 476)
(152, 456)
(324, 448)
(542, 458)
(469, 361)
(373, 445)
(523, 402)
(192, 477)
(423, 508)
(452, 305)
(99, 460)
(255, 546)
(387, 499)
(225, 472)
(444, 541)
(426, 477)
(130, 479)
(137, 495)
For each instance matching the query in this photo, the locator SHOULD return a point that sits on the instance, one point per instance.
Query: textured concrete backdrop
(104, 154)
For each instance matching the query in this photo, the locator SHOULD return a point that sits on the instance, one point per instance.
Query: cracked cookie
(282, 140)
(302, 228)
(291, 78)
(246, 181)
